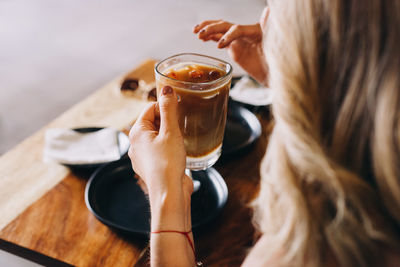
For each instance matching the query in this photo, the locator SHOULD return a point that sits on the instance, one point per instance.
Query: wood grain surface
(24, 177)
(59, 225)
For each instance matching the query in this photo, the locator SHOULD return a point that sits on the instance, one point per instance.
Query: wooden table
(43, 213)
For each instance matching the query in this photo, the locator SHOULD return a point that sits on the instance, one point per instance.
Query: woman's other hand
(244, 43)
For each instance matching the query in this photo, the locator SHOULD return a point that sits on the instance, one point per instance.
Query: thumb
(168, 105)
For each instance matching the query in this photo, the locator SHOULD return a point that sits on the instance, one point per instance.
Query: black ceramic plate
(114, 197)
(242, 129)
(123, 143)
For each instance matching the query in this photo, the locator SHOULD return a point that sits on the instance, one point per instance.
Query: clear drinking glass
(202, 107)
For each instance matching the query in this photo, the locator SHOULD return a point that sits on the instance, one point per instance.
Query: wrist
(170, 209)
(170, 212)
(163, 188)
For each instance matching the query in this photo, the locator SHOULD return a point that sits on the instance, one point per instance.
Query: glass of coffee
(202, 85)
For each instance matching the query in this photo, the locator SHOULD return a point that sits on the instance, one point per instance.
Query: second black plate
(242, 129)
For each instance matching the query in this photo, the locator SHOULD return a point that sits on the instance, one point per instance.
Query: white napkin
(67, 146)
(249, 92)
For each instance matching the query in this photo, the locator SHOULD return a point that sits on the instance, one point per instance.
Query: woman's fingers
(214, 28)
(225, 32)
(146, 119)
(252, 32)
(214, 37)
(201, 25)
(234, 33)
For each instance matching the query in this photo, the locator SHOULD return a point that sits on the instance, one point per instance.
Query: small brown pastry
(129, 85)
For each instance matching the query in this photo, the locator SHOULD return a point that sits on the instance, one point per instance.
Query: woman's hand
(158, 156)
(157, 151)
(244, 43)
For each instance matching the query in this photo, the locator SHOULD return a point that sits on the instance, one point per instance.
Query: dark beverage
(203, 91)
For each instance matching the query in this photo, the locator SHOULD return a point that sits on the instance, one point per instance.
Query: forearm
(171, 211)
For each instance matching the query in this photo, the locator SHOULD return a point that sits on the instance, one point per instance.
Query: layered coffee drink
(202, 87)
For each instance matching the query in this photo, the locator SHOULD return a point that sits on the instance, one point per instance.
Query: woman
(333, 159)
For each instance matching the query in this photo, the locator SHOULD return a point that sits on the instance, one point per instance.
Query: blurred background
(55, 53)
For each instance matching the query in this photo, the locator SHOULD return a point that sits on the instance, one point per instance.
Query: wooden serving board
(24, 177)
(43, 209)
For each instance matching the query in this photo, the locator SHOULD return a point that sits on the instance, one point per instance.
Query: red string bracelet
(179, 232)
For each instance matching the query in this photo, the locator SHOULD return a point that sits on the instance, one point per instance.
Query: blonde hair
(331, 174)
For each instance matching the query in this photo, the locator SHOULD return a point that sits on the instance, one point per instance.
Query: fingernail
(203, 31)
(196, 26)
(166, 90)
(221, 43)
